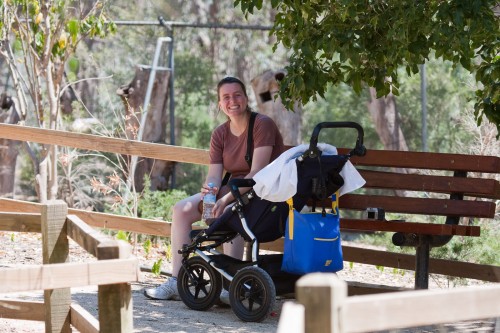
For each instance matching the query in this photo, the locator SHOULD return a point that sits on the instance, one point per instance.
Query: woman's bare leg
(235, 248)
(185, 214)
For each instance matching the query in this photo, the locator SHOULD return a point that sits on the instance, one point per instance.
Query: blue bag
(312, 241)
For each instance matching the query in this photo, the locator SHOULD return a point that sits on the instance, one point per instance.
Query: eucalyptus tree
(361, 42)
(37, 39)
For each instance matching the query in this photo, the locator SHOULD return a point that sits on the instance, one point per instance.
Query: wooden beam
(84, 235)
(105, 144)
(436, 266)
(429, 183)
(82, 320)
(67, 275)
(355, 288)
(421, 206)
(325, 307)
(23, 310)
(95, 219)
(409, 227)
(396, 310)
(55, 250)
(427, 160)
(20, 222)
(115, 301)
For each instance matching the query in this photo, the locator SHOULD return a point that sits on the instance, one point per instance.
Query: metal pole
(423, 93)
(195, 25)
(172, 101)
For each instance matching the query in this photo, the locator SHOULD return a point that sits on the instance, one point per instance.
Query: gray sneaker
(224, 297)
(165, 291)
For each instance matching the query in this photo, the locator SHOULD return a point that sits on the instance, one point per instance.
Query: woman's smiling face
(232, 99)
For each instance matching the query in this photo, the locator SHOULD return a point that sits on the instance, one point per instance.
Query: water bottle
(208, 203)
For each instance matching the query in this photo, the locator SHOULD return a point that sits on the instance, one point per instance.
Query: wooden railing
(323, 307)
(24, 216)
(112, 271)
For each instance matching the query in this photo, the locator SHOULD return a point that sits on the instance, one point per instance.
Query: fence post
(55, 250)
(115, 300)
(323, 296)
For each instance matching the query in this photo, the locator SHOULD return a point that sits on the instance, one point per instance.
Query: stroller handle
(236, 183)
(358, 150)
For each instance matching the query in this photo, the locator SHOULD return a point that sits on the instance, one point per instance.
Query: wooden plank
(68, 275)
(23, 310)
(396, 310)
(118, 222)
(95, 219)
(410, 227)
(478, 187)
(355, 288)
(55, 250)
(84, 235)
(323, 297)
(423, 206)
(426, 160)
(115, 301)
(20, 222)
(105, 144)
(459, 269)
(82, 320)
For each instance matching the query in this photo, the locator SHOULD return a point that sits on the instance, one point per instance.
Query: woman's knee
(186, 208)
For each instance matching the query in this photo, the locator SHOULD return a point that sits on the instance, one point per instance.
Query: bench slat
(410, 227)
(478, 187)
(434, 161)
(425, 206)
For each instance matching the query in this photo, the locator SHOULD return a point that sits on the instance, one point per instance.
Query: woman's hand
(204, 190)
(220, 206)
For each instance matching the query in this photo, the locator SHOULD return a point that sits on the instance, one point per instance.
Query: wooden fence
(323, 307)
(112, 271)
(31, 212)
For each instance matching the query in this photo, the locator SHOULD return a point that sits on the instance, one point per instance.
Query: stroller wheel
(252, 294)
(199, 285)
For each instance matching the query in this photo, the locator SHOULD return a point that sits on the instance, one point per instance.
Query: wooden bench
(460, 188)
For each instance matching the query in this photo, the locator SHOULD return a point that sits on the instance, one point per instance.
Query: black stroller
(255, 282)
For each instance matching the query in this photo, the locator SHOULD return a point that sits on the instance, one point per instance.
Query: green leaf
(156, 269)
(73, 30)
(73, 64)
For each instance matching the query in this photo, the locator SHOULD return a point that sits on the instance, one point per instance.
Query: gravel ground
(174, 316)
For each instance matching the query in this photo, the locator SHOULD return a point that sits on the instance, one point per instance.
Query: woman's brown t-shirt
(230, 150)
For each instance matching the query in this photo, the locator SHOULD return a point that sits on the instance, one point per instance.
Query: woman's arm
(214, 176)
(261, 158)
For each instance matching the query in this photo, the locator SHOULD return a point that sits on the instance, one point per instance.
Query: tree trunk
(265, 87)
(9, 149)
(133, 96)
(387, 122)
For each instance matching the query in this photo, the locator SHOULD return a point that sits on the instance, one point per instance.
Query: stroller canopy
(280, 180)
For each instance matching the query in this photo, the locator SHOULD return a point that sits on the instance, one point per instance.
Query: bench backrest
(427, 183)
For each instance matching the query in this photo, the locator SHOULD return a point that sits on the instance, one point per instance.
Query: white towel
(278, 180)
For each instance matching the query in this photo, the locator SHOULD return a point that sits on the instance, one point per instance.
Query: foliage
(156, 269)
(45, 35)
(122, 235)
(359, 41)
(36, 40)
(448, 100)
(158, 204)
